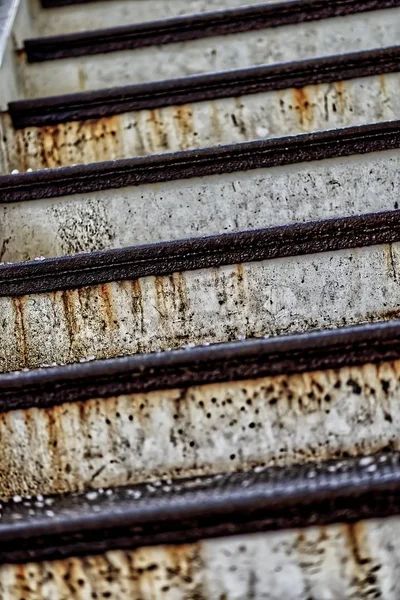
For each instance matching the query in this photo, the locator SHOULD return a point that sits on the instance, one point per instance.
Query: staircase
(199, 300)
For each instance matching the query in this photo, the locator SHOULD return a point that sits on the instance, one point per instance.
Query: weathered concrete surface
(97, 15)
(318, 38)
(201, 430)
(200, 206)
(195, 307)
(325, 563)
(201, 124)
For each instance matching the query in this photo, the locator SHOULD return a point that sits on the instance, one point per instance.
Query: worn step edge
(192, 27)
(186, 164)
(90, 105)
(229, 361)
(182, 511)
(164, 258)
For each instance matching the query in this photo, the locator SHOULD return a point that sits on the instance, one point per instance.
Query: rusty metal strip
(188, 510)
(234, 361)
(247, 18)
(97, 104)
(190, 254)
(197, 163)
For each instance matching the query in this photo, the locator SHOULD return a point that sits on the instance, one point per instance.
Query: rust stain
(390, 262)
(220, 287)
(22, 145)
(215, 122)
(137, 302)
(363, 567)
(384, 315)
(303, 107)
(184, 120)
(22, 587)
(311, 549)
(56, 450)
(50, 138)
(159, 138)
(180, 298)
(186, 565)
(160, 306)
(244, 406)
(19, 306)
(241, 284)
(101, 137)
(20, 57)
(105, 292)
(339, 86)
(67, 298)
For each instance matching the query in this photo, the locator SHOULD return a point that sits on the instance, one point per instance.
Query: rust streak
(183, 118)
(303, 107)
(18, 304)
(69, 311)
(364, 568)
(340, 96)
(179, 288)
(391, 268)
(137, 302)
(187, 566)
(159, 139)
(106, 294)
(160, 297)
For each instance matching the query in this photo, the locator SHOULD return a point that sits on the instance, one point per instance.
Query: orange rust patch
(50, 146)
(74, 143)
(303, 106)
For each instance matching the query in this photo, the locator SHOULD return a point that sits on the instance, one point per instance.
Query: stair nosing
(187, 510)
(197, 88)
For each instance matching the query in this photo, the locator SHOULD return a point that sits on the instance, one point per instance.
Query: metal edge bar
(192, 27)
(198, 88)
(187, 164)
(229, 361)
(165, 258)
(188, 510)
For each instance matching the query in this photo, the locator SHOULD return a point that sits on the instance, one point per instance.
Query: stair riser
(80, 17)
(194, 207)
(274, 45)
(208, 305)
(200, 430)
(341, 560)
(201, 124)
